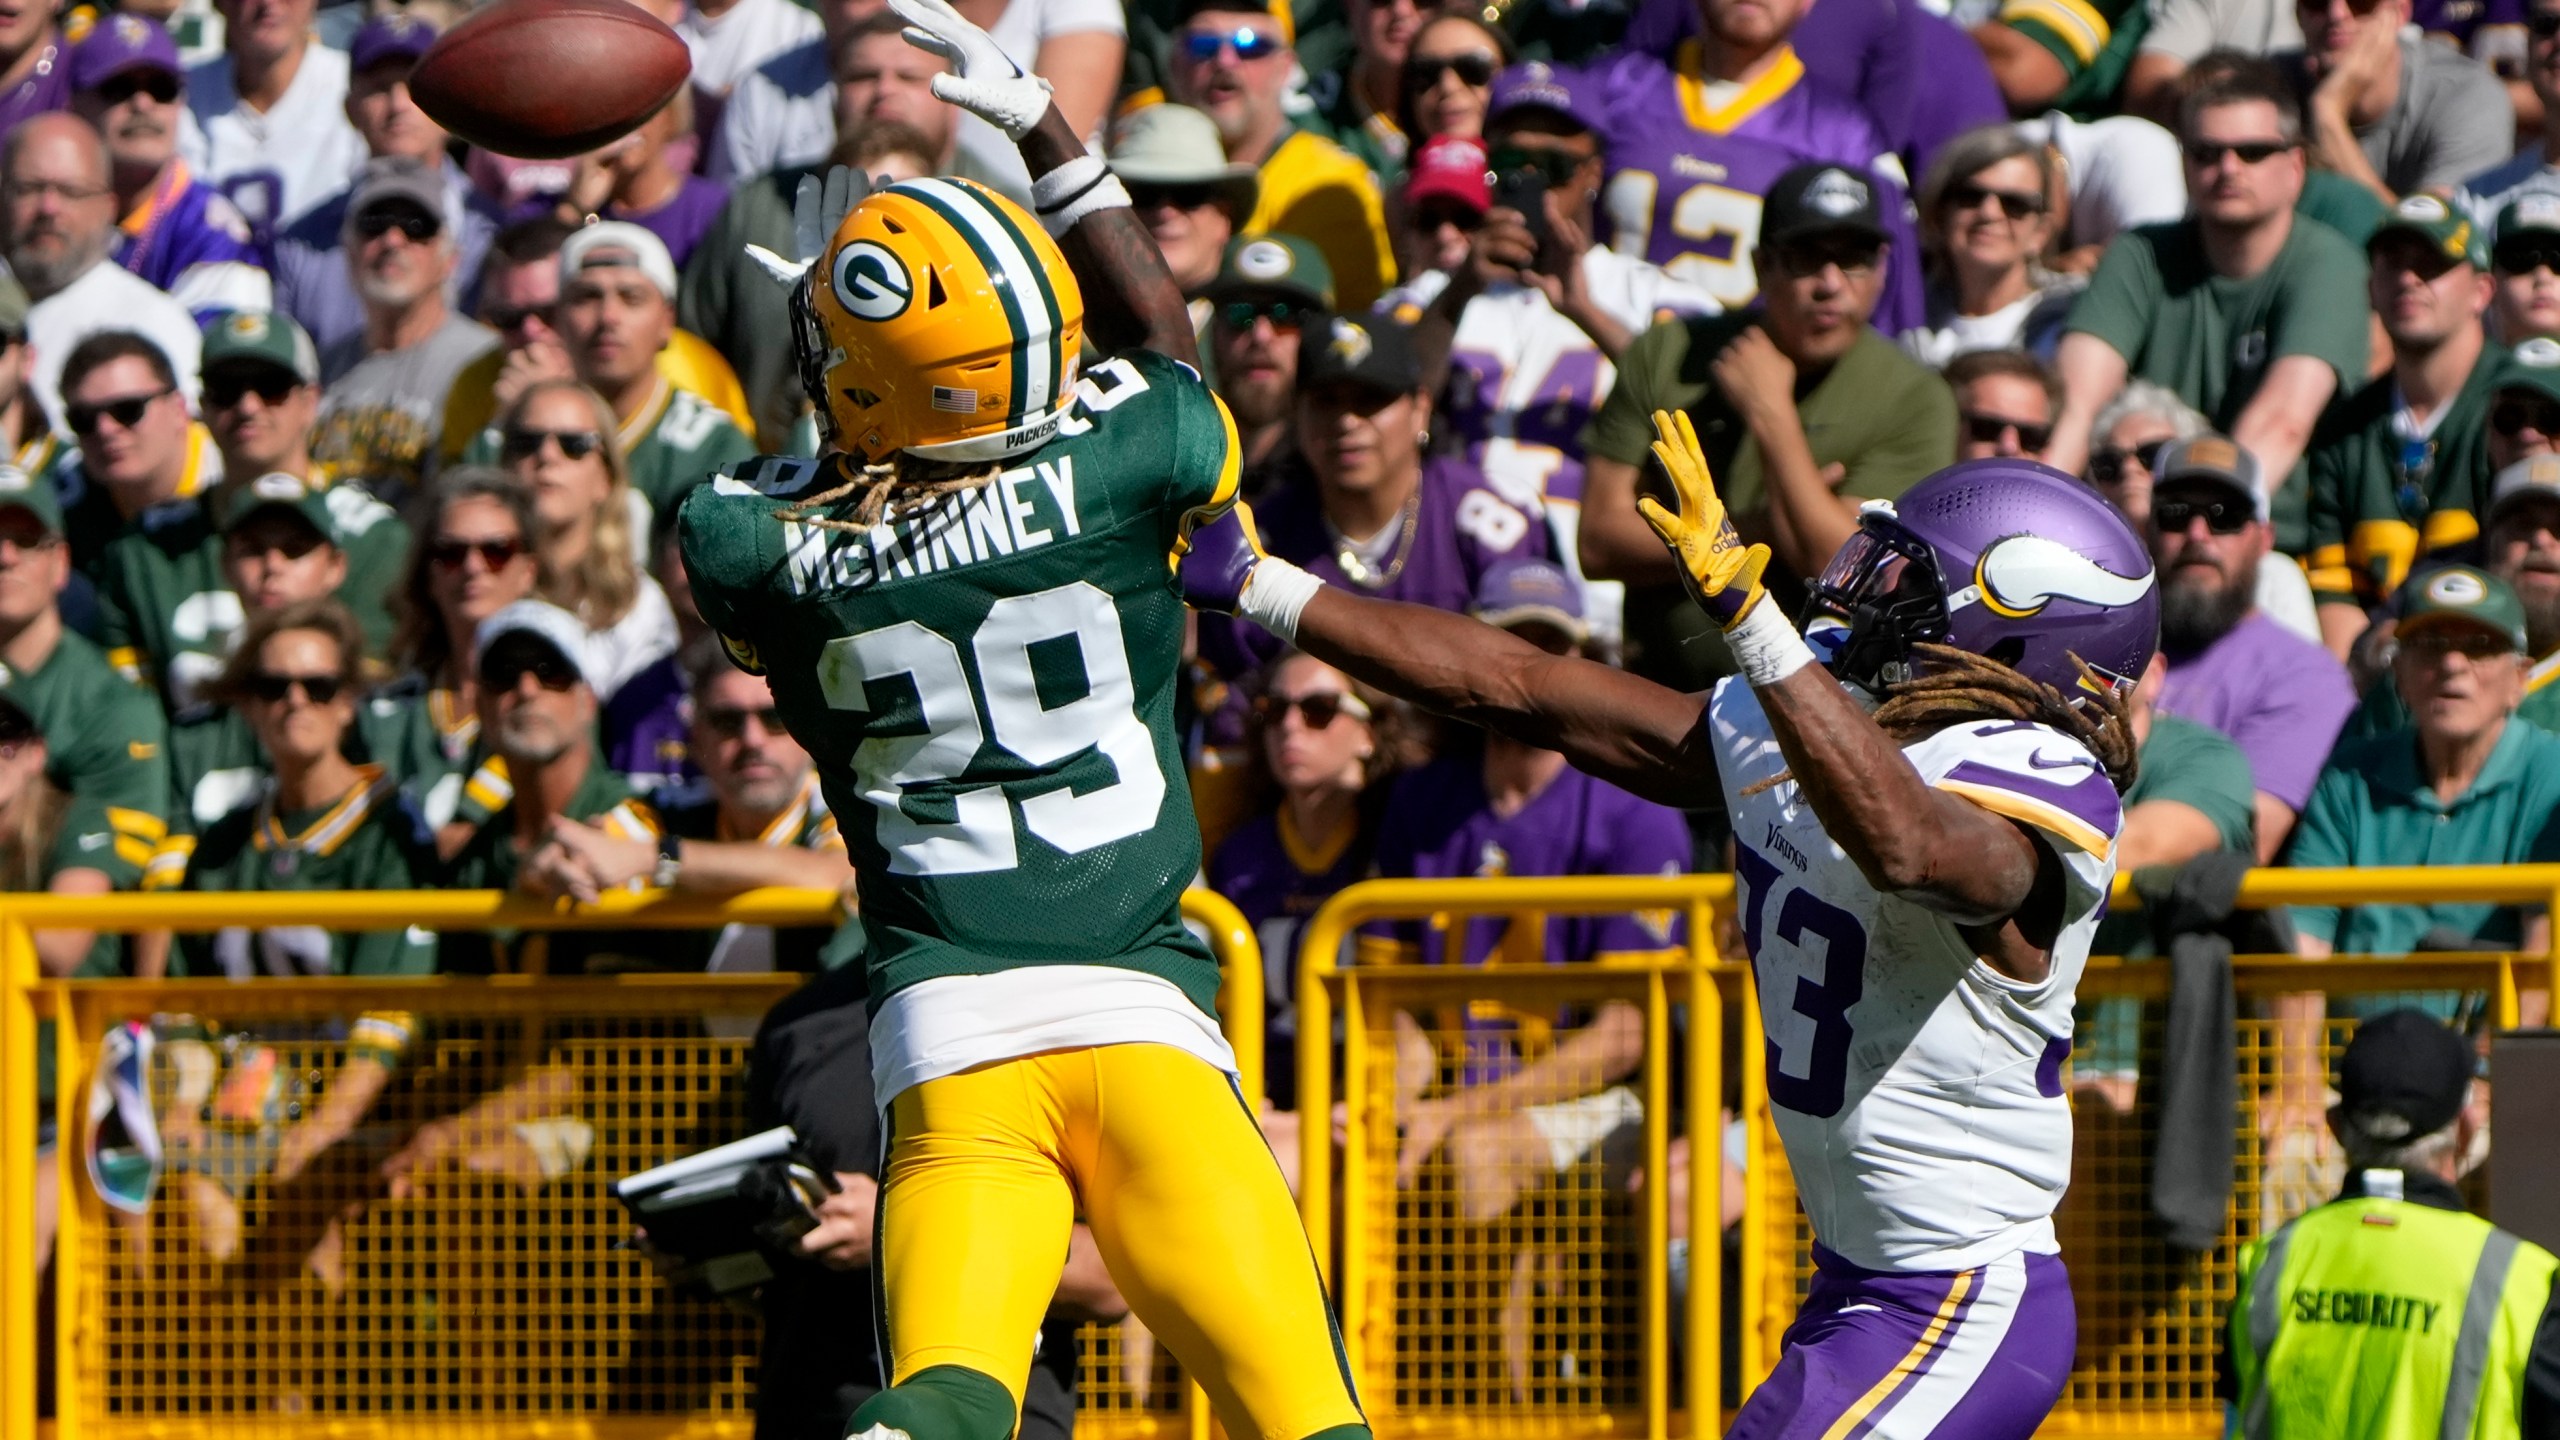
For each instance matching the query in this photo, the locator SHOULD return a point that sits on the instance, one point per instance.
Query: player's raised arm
(1131, 300)
(1633, 733)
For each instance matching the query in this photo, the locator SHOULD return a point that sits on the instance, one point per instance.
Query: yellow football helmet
(940, 320)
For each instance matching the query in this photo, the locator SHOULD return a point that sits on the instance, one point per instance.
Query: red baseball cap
(1449, 167)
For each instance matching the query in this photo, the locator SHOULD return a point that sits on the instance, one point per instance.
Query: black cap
(1373, 351)
(2404, 1075)
(1820, 199)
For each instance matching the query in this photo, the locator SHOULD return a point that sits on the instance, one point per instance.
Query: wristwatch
(670, 862)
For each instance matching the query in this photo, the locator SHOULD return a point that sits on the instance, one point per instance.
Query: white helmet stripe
(1039, 353)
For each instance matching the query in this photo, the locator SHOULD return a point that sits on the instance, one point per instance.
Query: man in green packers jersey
(137, 448)
(966, 612)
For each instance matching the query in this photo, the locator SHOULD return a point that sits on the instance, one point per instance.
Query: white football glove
(816, 212)
(984, 81)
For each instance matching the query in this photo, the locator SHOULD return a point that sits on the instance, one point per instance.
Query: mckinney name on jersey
(986, 683)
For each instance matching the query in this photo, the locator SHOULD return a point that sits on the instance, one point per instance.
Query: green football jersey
(491, 859)
(105, 742)
(672, 445)
(427, 740)
(215, 767)
(90, 520)
(987, 682)
(372, 838)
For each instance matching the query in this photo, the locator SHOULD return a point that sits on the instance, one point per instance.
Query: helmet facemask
(1884, 583)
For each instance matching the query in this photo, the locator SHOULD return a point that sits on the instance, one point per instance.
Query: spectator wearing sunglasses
(1535, 313)
(313, 283)
(557, 442)
(384, 408)
(1806, 410)
(616, 316)
(1268, 293)
(2525, 258)
(2388, 108)
(537, 716)
(177, 232)
(2401, 467)
(58, 232)
(1448, 77)
(271, 126)
(1984, 236)
(2533, 169)
(1446, 195)
(1191, 196)
(2280, 697)
(2524, 413)
(1231, 60)
(473, 555)
(755, 818)
(1360, 107)
(2005, 402)
(137, 452)
(2241, 310)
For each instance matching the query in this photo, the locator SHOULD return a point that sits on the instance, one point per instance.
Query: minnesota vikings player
(1924, 830)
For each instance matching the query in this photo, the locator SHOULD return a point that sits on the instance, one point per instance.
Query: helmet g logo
(871, 283)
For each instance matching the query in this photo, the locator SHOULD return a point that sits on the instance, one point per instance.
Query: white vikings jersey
(1918, 1090)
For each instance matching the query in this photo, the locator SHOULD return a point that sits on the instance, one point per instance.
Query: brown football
(547, 79)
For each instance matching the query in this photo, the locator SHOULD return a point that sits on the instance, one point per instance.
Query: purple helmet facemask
(2009, 559)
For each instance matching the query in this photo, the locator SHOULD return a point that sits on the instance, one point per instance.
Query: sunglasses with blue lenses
(1248, 43)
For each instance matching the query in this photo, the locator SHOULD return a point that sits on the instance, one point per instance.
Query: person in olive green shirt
(1803, 408)
(538, 716)
(2401, 469)
(2243, 310)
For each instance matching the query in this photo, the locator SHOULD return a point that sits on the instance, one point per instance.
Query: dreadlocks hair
(1960, 687)
(882, 490)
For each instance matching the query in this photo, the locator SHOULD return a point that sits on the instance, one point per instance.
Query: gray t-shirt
(2189, 28)
(2450, 121)
(383, 413)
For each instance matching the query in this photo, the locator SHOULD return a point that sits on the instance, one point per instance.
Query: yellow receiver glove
(1722, 573)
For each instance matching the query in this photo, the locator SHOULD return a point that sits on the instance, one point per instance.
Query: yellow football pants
(986, 1169)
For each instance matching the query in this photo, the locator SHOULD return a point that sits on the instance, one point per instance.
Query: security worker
(2390, 1312)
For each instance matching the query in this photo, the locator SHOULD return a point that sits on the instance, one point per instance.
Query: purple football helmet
(2006, 558)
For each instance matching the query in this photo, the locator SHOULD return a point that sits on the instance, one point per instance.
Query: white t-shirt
(1918, 1090)
(275, 165)
(108, 297)
(2029, 322)
(752, 32)
(2123, 171)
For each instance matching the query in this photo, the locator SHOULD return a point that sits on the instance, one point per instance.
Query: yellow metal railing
(639, 1041)
(2142, 1370)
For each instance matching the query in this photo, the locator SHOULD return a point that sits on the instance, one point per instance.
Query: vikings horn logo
(2021, 574)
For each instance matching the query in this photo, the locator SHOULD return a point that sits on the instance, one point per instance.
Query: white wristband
(1275, 594)
(1074, 190)
(1766, 646)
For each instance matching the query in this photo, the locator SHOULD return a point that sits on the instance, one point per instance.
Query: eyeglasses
(2525, 256)
(274, 387)
(2512, 417)
(2436, 641)
(1856, 258)
(2107, 464)
(127, 411)
(2205, 154)
(730, 721)
(160, 85)
(1429, 216)
(1283, 314)
(2543, 23)
(271, 687)
(512, 317)
(1474, 67)
(1984, 428)
(549, 671)
(574, 444)
(2222, 516)
(1179, 197)
(2016, 204)
(1557, 166)
(59, 190)
(453, 554)
(381, 220)
(1318, 710)
(1249, 44)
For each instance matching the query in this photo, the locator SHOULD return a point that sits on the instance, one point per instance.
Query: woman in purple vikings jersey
(1317, 742)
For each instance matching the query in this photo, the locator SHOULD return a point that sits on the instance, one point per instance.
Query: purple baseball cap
(121, 42)
(1538, 85)
(396, 36)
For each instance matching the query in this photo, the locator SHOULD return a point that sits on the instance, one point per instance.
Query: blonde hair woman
(558, 438)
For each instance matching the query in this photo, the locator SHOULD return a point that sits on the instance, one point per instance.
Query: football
(548, 79)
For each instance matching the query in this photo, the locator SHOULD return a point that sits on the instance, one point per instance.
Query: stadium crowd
(335, 541)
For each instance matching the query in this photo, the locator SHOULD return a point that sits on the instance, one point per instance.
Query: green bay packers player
(967, 613)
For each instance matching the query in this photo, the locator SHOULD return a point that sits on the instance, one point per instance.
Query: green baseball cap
(2533, 365)
(1273, 265)
(278, 491)
(2462, 594)
(2445, 230)
(264, 337)
(2534, 213)
(33, 494)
